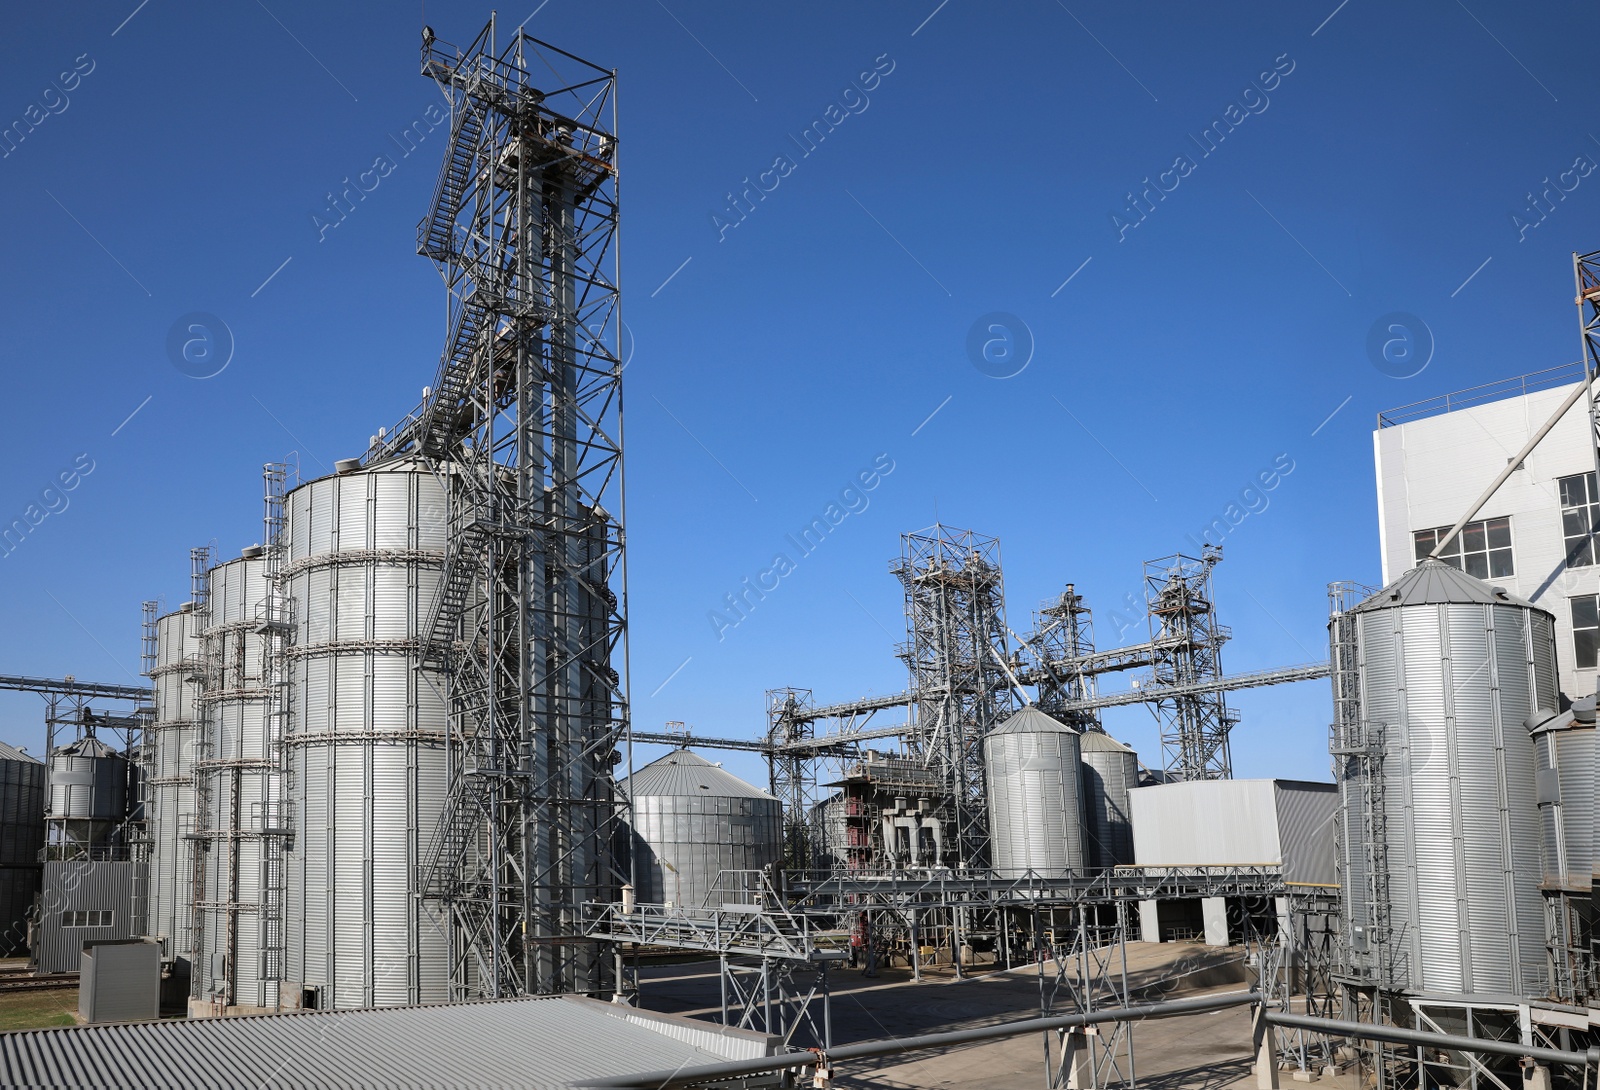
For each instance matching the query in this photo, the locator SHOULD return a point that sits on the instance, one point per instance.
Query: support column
(1285, 920)
(1149, 921)
(1215, 912)
(1265, 1047)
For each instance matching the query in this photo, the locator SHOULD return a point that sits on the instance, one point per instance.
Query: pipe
(1511, 466)
(1396, 1035)
(688, 1076)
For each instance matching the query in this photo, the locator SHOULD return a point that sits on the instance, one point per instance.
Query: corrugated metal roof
(87, 746)
(12, 753)
(548, 1041)
(683, 772)
(1030, 720)
(1433, 582)
(1094, 741)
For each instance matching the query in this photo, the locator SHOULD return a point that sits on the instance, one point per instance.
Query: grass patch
(39, 1010)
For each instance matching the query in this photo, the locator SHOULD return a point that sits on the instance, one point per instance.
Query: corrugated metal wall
(1206, 823)
(1305, 830)
(21, 838)
(1110, 773)
(78, 886)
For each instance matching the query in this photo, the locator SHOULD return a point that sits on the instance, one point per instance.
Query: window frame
(1594, 641)
(1458, 557)
(1583, 543)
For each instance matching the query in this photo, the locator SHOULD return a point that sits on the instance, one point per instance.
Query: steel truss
(957, 656)
(1188, 650)
(523, 427)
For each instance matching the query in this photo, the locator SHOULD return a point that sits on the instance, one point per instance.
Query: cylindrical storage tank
(366, 739)
(828, 828)
(169, 754)
(21, 837)
(1564, 760)
(1110, 771)
(1032, 774)
(1447, 671)
(237, 792)
(88, 797)
(692, 820)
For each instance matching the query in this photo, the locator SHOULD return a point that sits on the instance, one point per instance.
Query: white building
(1532, 537)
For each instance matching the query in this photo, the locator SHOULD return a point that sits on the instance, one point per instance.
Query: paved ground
(1202, 1051)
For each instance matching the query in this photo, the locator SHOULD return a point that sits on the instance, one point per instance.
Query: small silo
(169, 753)
(366, 739)
(21, 837)
(88, 798)
(1442, 885)
(692, 820)
(1110, 772)
(236, 785)
(829, 832)
(1032, 773)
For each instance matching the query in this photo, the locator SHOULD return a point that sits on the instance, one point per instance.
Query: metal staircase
(437, 233)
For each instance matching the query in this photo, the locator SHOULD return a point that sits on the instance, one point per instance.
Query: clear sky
(1199, 300)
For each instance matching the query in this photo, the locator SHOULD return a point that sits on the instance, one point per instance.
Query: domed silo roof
(683, 772)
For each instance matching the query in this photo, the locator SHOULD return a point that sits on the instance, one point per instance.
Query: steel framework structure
(524, 427)
(957, 655)
(1063, 632)
(1187, 644)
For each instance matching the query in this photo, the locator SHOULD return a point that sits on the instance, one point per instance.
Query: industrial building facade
(1534, 535)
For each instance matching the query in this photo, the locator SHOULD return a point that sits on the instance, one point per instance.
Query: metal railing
(1533, 382)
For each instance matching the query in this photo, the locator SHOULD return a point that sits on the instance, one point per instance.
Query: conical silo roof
(1095, 741)
(682, 772)
(1433, 582)
(1030, 720)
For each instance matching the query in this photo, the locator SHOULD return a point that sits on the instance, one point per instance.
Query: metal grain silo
(1032, 772)
(1110, 772)
(237, 786)
(88, 790)
(366, 739)
(169, 784)
(1440, 820)
(21, 837)
(692, 820)
(1564, 777)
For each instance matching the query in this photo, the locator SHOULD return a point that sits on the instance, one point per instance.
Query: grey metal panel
(366, 741)
(81, 885)
(120, 982)
(706, 821)
(1033, 772)
(544, 1042)
(1110, 772)
(1305, 830)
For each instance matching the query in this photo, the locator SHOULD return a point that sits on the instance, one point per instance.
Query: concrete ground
(1200, 1051)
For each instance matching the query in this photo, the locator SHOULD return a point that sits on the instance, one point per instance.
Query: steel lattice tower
(1063, 631)
(524, 426)
(956, 652)
(1186, 649)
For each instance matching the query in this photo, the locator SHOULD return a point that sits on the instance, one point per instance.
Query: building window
(1585, 629)
(1580, 516)
(1481, 549)
(99, 917)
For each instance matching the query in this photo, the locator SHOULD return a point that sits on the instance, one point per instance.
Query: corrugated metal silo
(88, 789)
(1110, 772)
(21, 837)
(1564, 761)
(170, 756)
(692, 820)
(1032, 770)
(1449, 670)
(366, 740)
(237, 792)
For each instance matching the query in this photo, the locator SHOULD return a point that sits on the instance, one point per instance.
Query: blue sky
(1378, 161)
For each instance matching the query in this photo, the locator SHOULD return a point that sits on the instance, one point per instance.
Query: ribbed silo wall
(169, 782)
(21, 838)
(366, 740)
(1035, 817)
(1110, 771)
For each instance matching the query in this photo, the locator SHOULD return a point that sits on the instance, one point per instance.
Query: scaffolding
(523, 427)
(957, 655)
(1186, 642)
(1063, 632)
